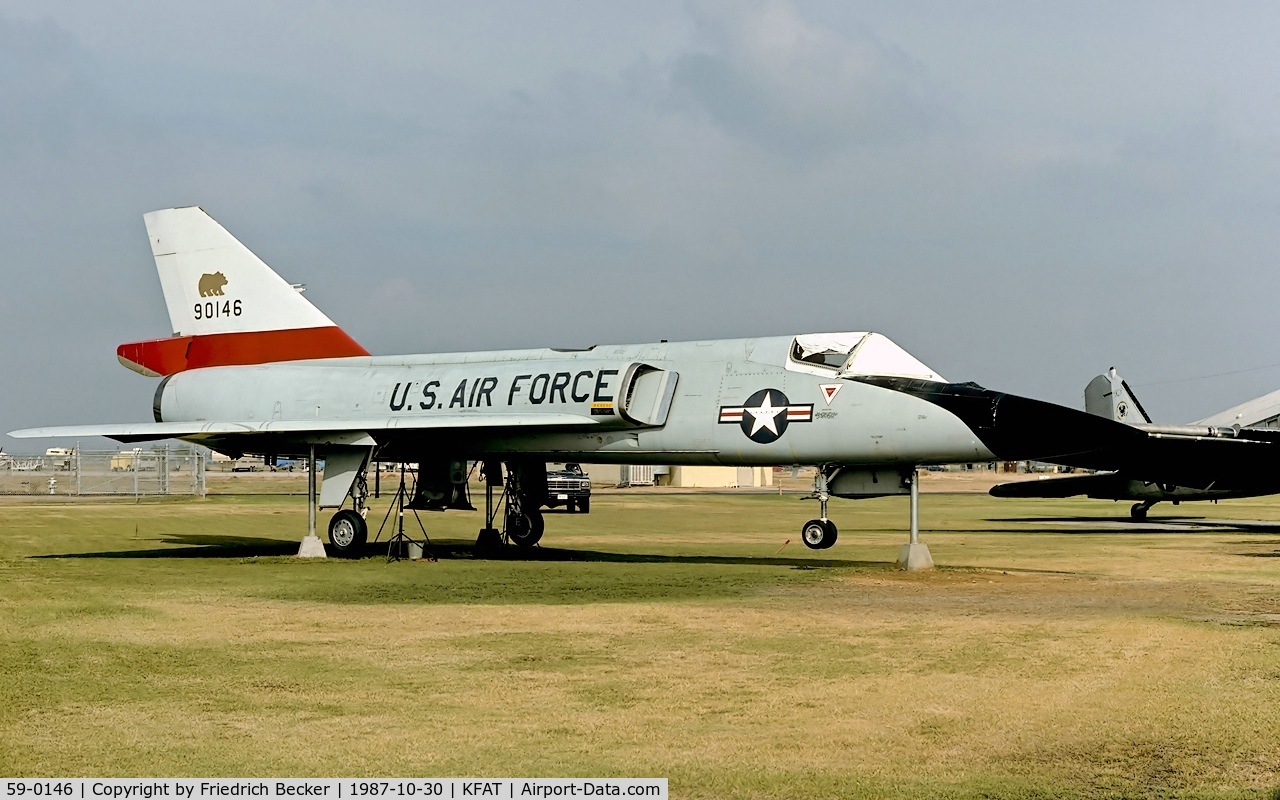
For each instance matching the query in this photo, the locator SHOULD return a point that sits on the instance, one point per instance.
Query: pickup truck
(570, 488)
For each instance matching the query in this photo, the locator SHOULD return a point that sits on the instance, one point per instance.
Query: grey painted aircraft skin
(404, 395)
(254, 368)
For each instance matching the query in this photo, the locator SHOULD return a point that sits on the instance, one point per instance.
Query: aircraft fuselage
(721, 402)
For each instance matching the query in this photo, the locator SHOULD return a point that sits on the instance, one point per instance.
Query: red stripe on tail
(178, 353)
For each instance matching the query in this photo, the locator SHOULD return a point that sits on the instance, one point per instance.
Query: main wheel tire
(818, 534)
(525, 529)
(831, 540)
(584, 505)
(348, 533)
(1139, 512)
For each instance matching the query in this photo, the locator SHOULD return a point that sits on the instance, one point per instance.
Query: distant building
(718, 477)
(678, 477)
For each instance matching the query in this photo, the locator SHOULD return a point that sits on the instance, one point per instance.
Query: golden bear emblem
(211, 285)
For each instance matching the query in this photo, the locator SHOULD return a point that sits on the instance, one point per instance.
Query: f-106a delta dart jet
(1231, 454)
(254, 368)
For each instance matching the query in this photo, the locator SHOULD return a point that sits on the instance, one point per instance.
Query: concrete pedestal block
(912, 557)
(312, 547)
(489, 539)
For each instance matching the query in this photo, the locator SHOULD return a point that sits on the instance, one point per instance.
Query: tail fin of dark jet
(1109, 396)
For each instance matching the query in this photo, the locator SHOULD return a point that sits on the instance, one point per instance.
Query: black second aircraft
(1231, 454)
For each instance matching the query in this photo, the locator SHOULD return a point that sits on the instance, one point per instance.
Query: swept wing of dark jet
(1133, 461)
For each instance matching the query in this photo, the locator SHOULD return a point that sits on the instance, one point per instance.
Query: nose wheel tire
(818, 534)
(348, 533)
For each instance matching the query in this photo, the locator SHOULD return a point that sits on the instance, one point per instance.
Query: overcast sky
(1020, 194)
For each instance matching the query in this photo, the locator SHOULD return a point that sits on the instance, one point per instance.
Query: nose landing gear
(851, 482)
(819, 534)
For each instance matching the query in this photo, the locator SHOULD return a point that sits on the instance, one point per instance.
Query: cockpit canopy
(855, 353)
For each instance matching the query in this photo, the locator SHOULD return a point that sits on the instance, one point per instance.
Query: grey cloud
(799, 88)
(47, 97)
(255, 111)
(1013, 205)
(56, 96)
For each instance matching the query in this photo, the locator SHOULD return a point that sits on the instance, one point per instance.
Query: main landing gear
(520, 494)
(819, 534)
(523, 523)
(348, 530)
(348, 533)
(1139, 511)
(437, 486)
(524, 494)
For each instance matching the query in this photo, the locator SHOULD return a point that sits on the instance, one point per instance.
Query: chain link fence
(135, 473)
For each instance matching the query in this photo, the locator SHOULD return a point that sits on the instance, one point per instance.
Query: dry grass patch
(694, 655)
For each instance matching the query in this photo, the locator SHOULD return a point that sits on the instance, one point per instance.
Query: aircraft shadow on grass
(186, 546)
(191, 546)
(1272, 554)
(598, 556)
(1119, 526)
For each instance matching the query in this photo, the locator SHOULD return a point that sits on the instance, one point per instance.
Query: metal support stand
(312, 547)
(490, 537)
(915, 506)
(402, 546)
(914, 556)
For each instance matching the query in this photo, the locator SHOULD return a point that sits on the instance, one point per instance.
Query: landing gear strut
(819, 534)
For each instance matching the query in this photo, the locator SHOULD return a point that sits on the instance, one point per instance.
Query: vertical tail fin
(225, 305)
(1109, 396)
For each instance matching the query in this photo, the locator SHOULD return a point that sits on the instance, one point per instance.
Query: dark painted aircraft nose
(1019, 428)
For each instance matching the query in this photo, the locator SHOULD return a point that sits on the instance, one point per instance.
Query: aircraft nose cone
(1019, 428)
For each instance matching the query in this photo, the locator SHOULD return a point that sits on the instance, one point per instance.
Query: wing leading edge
(147, 431)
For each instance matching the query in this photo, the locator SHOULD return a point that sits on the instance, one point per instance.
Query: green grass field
(661, 635)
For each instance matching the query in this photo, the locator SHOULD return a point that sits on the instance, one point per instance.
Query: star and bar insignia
(766, 415)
